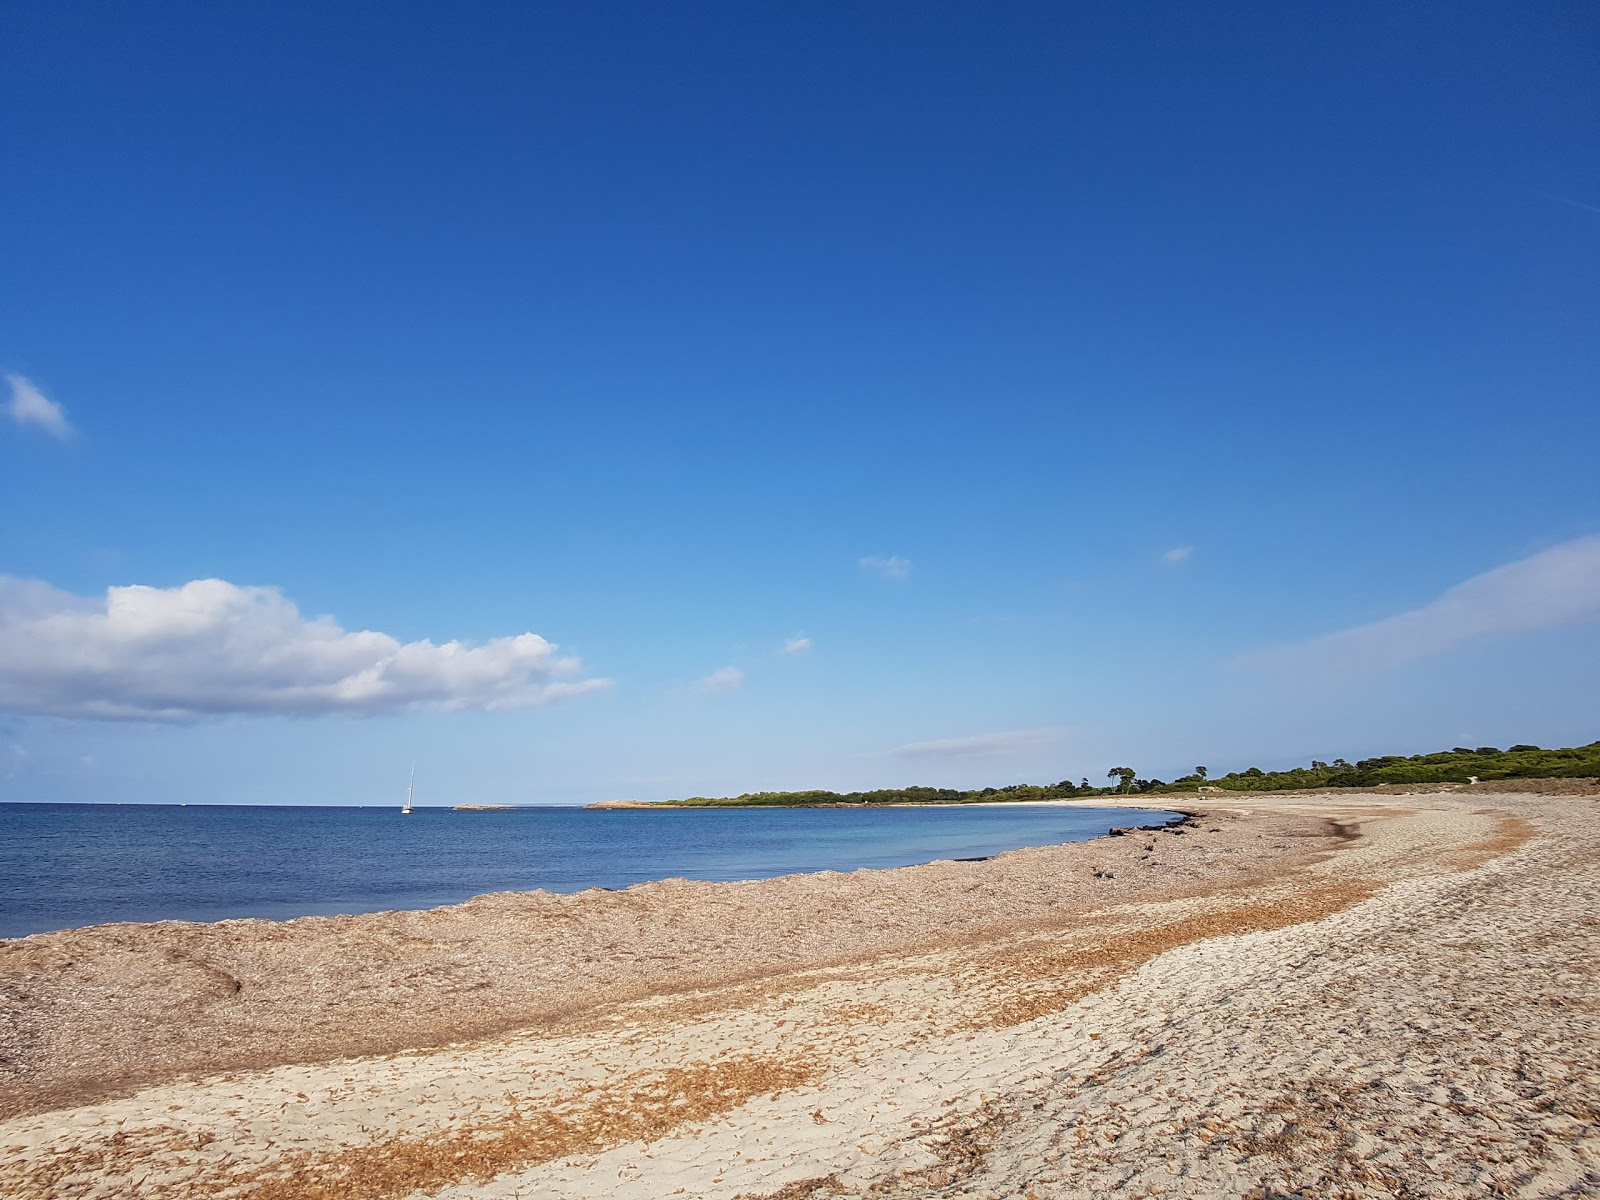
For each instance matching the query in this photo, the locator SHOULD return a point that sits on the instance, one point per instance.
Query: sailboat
(405, 810)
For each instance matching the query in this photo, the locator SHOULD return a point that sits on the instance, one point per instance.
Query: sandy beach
(1322, 995)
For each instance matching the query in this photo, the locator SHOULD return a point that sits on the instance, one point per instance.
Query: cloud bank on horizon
(1555, 587)
(213, 648)
(983, 745)
(29, 406)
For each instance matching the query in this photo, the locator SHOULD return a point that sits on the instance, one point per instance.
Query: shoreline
(184, 968)
(894, 1031)
(279, 915)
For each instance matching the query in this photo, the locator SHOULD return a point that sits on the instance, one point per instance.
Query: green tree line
(1445, 766)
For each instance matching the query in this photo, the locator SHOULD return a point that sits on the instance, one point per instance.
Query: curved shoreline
(710, 855)
(886, 1032)
(134, 1003)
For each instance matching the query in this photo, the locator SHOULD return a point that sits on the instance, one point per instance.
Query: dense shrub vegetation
(1447, 766)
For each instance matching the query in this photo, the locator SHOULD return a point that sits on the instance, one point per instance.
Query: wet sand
(1341, 995)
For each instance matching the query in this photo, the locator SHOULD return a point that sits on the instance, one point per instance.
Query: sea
(66, 865)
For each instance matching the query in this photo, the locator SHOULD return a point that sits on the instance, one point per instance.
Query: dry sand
(1326, 995)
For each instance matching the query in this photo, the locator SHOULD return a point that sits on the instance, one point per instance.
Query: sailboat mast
(410, 783)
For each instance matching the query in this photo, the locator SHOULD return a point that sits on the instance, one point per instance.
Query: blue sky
(1079, 384)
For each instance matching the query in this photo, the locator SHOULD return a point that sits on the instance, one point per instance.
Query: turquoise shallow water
(63, 865)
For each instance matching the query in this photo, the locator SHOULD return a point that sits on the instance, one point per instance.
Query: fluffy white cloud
(1177, 555)
(723, 679)
(985, 745)
(1558, 586)
(29, 406)
(891, 567)
(211, 647)
(799, 644)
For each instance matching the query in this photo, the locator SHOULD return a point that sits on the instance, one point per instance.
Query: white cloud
(891, 567)
(211, 647)
(986, 745)
(723, 679)
(30, 406)
(798, 644)
(1558, 586)
(1177, 555)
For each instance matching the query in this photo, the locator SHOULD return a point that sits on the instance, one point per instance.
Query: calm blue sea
(63, 865)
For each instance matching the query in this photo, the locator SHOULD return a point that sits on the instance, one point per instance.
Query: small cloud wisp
(29, 406)
(887, 567)
(723, 679)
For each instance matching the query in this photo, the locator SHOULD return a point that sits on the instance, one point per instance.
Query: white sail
(406, 810)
